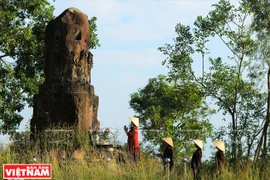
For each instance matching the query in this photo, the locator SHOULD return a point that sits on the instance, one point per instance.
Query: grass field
(80, 161)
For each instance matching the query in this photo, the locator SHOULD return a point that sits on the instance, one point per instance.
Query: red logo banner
(27, 171)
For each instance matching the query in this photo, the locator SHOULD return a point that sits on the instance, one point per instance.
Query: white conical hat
(220, 145)
(168, 140)
(198, 142)
(135, 121)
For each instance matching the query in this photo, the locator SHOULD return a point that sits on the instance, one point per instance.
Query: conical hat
(135, 121)
(220, 145)
(199, 143)
(168, 140)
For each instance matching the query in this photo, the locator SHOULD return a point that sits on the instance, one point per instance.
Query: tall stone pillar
(67, 98)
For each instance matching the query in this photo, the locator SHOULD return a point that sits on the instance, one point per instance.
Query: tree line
(238, 85)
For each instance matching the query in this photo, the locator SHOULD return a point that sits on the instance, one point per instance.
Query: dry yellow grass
(83, 163)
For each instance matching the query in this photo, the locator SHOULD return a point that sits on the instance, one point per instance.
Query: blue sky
(130, 33)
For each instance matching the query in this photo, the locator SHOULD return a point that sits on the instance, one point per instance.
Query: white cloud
(149, 20)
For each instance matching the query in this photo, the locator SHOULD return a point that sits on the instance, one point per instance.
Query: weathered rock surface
(67, 98)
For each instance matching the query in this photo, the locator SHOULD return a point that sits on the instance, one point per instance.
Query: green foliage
(10, 101)
(94, 41)
(249, 104)
(227, 82)
(178, 59)
(177, 101)
(22, 27)
(261, 12)
(167, 109)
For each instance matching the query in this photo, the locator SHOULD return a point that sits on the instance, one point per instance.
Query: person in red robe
(133, 146)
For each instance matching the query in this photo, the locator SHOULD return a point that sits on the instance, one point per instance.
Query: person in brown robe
(196, 161)
(219, 158)
(168, 153)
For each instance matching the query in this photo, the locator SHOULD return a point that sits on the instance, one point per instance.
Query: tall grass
(79, 160)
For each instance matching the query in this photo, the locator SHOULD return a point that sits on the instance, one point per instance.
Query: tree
(22, 33)
(173, 105)
(248, 107)
(227, 82)
(261, 23)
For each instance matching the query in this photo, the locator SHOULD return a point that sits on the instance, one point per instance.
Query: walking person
(219, 158)
(168, 153)
(196, 161)
(133, 147)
